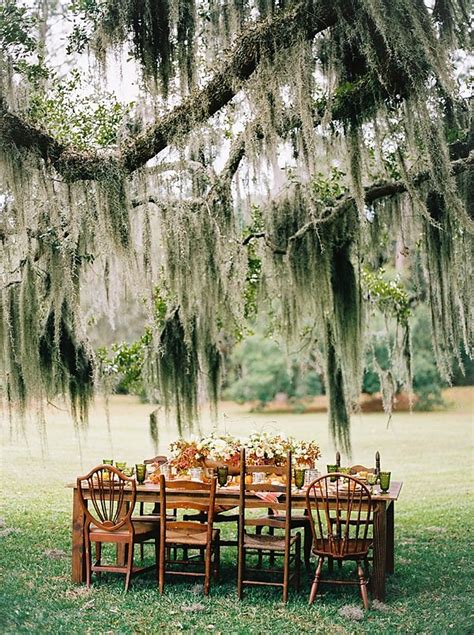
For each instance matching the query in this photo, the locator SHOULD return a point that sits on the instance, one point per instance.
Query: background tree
(343, 121)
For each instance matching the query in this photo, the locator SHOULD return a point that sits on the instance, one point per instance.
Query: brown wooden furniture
(287, 545)
(189, 535)
(340, 512)
(109, 520)
(383, 529)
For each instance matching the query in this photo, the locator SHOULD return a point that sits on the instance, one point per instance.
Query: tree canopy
(272, 150)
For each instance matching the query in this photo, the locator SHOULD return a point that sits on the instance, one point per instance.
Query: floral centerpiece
(221, 448)
(186, 454)
(306, 453)
(264, 448)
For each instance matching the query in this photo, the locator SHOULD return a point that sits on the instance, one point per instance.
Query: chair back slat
(106, 487)
(247, 491)
(340, 513)
(207, 504)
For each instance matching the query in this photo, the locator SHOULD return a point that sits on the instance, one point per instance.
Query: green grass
(431, 591)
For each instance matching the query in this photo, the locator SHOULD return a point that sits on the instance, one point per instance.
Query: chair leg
(307, 544)
(161, 567)
(240, 572)
(207, 569)
(363, 585)
(130, 547)
(98, 556)
(217, 559)
(142, 512)
(157, 561)
(87, 549)
(317, 576)
(298, 562)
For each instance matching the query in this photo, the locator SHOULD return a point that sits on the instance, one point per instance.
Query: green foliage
(328, 189)
(76, 118)
(427, 382)
(259, 368)
(389, 296)
(125, 363)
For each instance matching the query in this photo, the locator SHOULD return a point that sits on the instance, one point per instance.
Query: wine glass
(384, 479)
(140, 471)
(299, 477)
(222, 475)
(371, 480)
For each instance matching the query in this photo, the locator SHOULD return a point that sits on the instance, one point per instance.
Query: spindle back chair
(186, 534)
(108, 519)
(259, 543)
(340, 511)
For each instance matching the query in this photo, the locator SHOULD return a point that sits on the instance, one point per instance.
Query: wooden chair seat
(297, 521)
(267, 542)
(188, 537)
(353, 548)
(141, 531)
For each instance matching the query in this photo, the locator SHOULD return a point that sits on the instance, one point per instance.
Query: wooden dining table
(383, 529)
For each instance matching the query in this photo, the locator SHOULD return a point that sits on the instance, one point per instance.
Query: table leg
(78, 572)
(380, 551)
(121, 554)
(390, 537)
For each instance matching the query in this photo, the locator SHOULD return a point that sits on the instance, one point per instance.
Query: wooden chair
(287, 545)
(188, 535)
(109, 520)
(341, 514)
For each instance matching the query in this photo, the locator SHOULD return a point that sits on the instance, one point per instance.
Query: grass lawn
(430, 592)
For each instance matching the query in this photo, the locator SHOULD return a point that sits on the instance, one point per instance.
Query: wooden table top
(232, 491)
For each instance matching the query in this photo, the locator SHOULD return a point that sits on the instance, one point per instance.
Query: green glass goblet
(299, 476)
(331, 469)
(128, 471)
(222, 475)
(371, 480)
(140, 471)
(384, 479)
(107, 461)
(120, 465)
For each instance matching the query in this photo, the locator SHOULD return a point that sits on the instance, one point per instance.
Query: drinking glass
(332, 468)
(165, 469)
(299, 477)
(344, 470)
(384, 479)
(107, 462)
(371, 480)
(140, 471)
(128, 471)
(222, 475)
(310, 476)
(195, 473)
(120, 465)
(258, 477)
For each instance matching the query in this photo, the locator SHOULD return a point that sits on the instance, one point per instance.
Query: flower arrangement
(306, 453)
(262, 448)
(221, 448)
(186, 454)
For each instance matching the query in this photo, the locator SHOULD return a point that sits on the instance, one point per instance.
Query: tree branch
(372, 193)
(263, 39)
